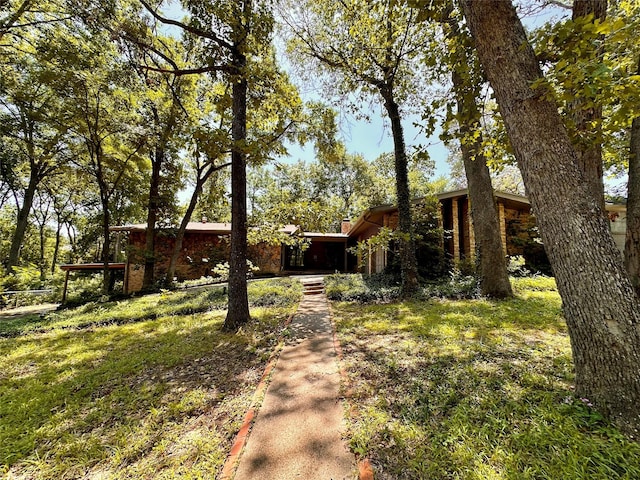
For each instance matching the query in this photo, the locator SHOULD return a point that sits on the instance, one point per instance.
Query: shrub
(458, 286)
(22, 279)
(362, 288)
(538, 283)
(274, 292)
(383, 288)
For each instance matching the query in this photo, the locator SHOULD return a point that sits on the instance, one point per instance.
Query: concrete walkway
(297, 431)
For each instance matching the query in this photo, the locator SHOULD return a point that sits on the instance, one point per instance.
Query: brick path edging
(365, 469)
(231, 463)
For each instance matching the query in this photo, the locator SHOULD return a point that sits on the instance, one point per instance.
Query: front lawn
(142, 388)
(473, 389)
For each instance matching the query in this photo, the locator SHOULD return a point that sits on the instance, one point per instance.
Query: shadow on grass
(264, 293)
(473, 389)
(120, 397)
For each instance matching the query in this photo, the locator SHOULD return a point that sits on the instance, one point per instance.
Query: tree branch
(196, 31)
(558, 3)
(189, 71)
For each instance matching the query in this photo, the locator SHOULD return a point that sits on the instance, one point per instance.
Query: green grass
(144, 388)
(473, 389)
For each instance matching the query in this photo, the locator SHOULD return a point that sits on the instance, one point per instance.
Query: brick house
(517, 229)
(206, 244)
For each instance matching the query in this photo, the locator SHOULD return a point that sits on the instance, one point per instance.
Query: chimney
(345, 226)
(204, 219)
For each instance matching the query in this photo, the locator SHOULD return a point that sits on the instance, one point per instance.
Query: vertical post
(472, 233)
(441, 223)
(455, 214)
(125, 281)
(346, 266)
(503, 227)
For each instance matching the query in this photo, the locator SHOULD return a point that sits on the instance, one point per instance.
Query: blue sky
(372, 138)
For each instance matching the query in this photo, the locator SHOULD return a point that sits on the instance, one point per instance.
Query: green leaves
(608, 79)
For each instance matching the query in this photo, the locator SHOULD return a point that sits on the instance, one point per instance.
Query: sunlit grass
(145, 388)
(473, 389)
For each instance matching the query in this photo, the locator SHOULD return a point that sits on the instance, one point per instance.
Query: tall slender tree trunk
(42, 261)
(171, 270)
(492, 265)
(238, 313)
(106, 218)
(600, 307)
(56, 247)
(408, 261)
(22, 221)
(106, 247)
(632, 241)
(152, 218)
(586, 112)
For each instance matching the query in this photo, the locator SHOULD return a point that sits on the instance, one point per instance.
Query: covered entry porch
(325, 253)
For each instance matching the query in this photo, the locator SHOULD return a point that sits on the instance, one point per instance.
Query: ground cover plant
(383, 288)
(142, 388)
(473, 389)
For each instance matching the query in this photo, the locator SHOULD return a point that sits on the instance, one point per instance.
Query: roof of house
(325, 236)
(374, 215)
(371, 216)
(204, 227)
(509, 197)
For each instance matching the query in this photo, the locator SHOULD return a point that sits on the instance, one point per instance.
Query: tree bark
(103, 189)
(42, 260)
(238, 313)
(600, 307)
(632, 241)
(152, 218)
(408, 261)
(106, 246)
(23, 220)
(492, 265)
(586, 112)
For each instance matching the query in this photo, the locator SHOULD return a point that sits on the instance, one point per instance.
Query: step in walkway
(297, 432)
(313, 287)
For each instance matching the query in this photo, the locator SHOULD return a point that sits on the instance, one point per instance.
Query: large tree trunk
(22, 221)
(632, 242)
(238, 313)
(586, 112)
(408, 261)
(600, 307)
(152, 218)
(492, 264)
(494, 276)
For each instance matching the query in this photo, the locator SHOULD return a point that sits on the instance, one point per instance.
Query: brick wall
(200, 253)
